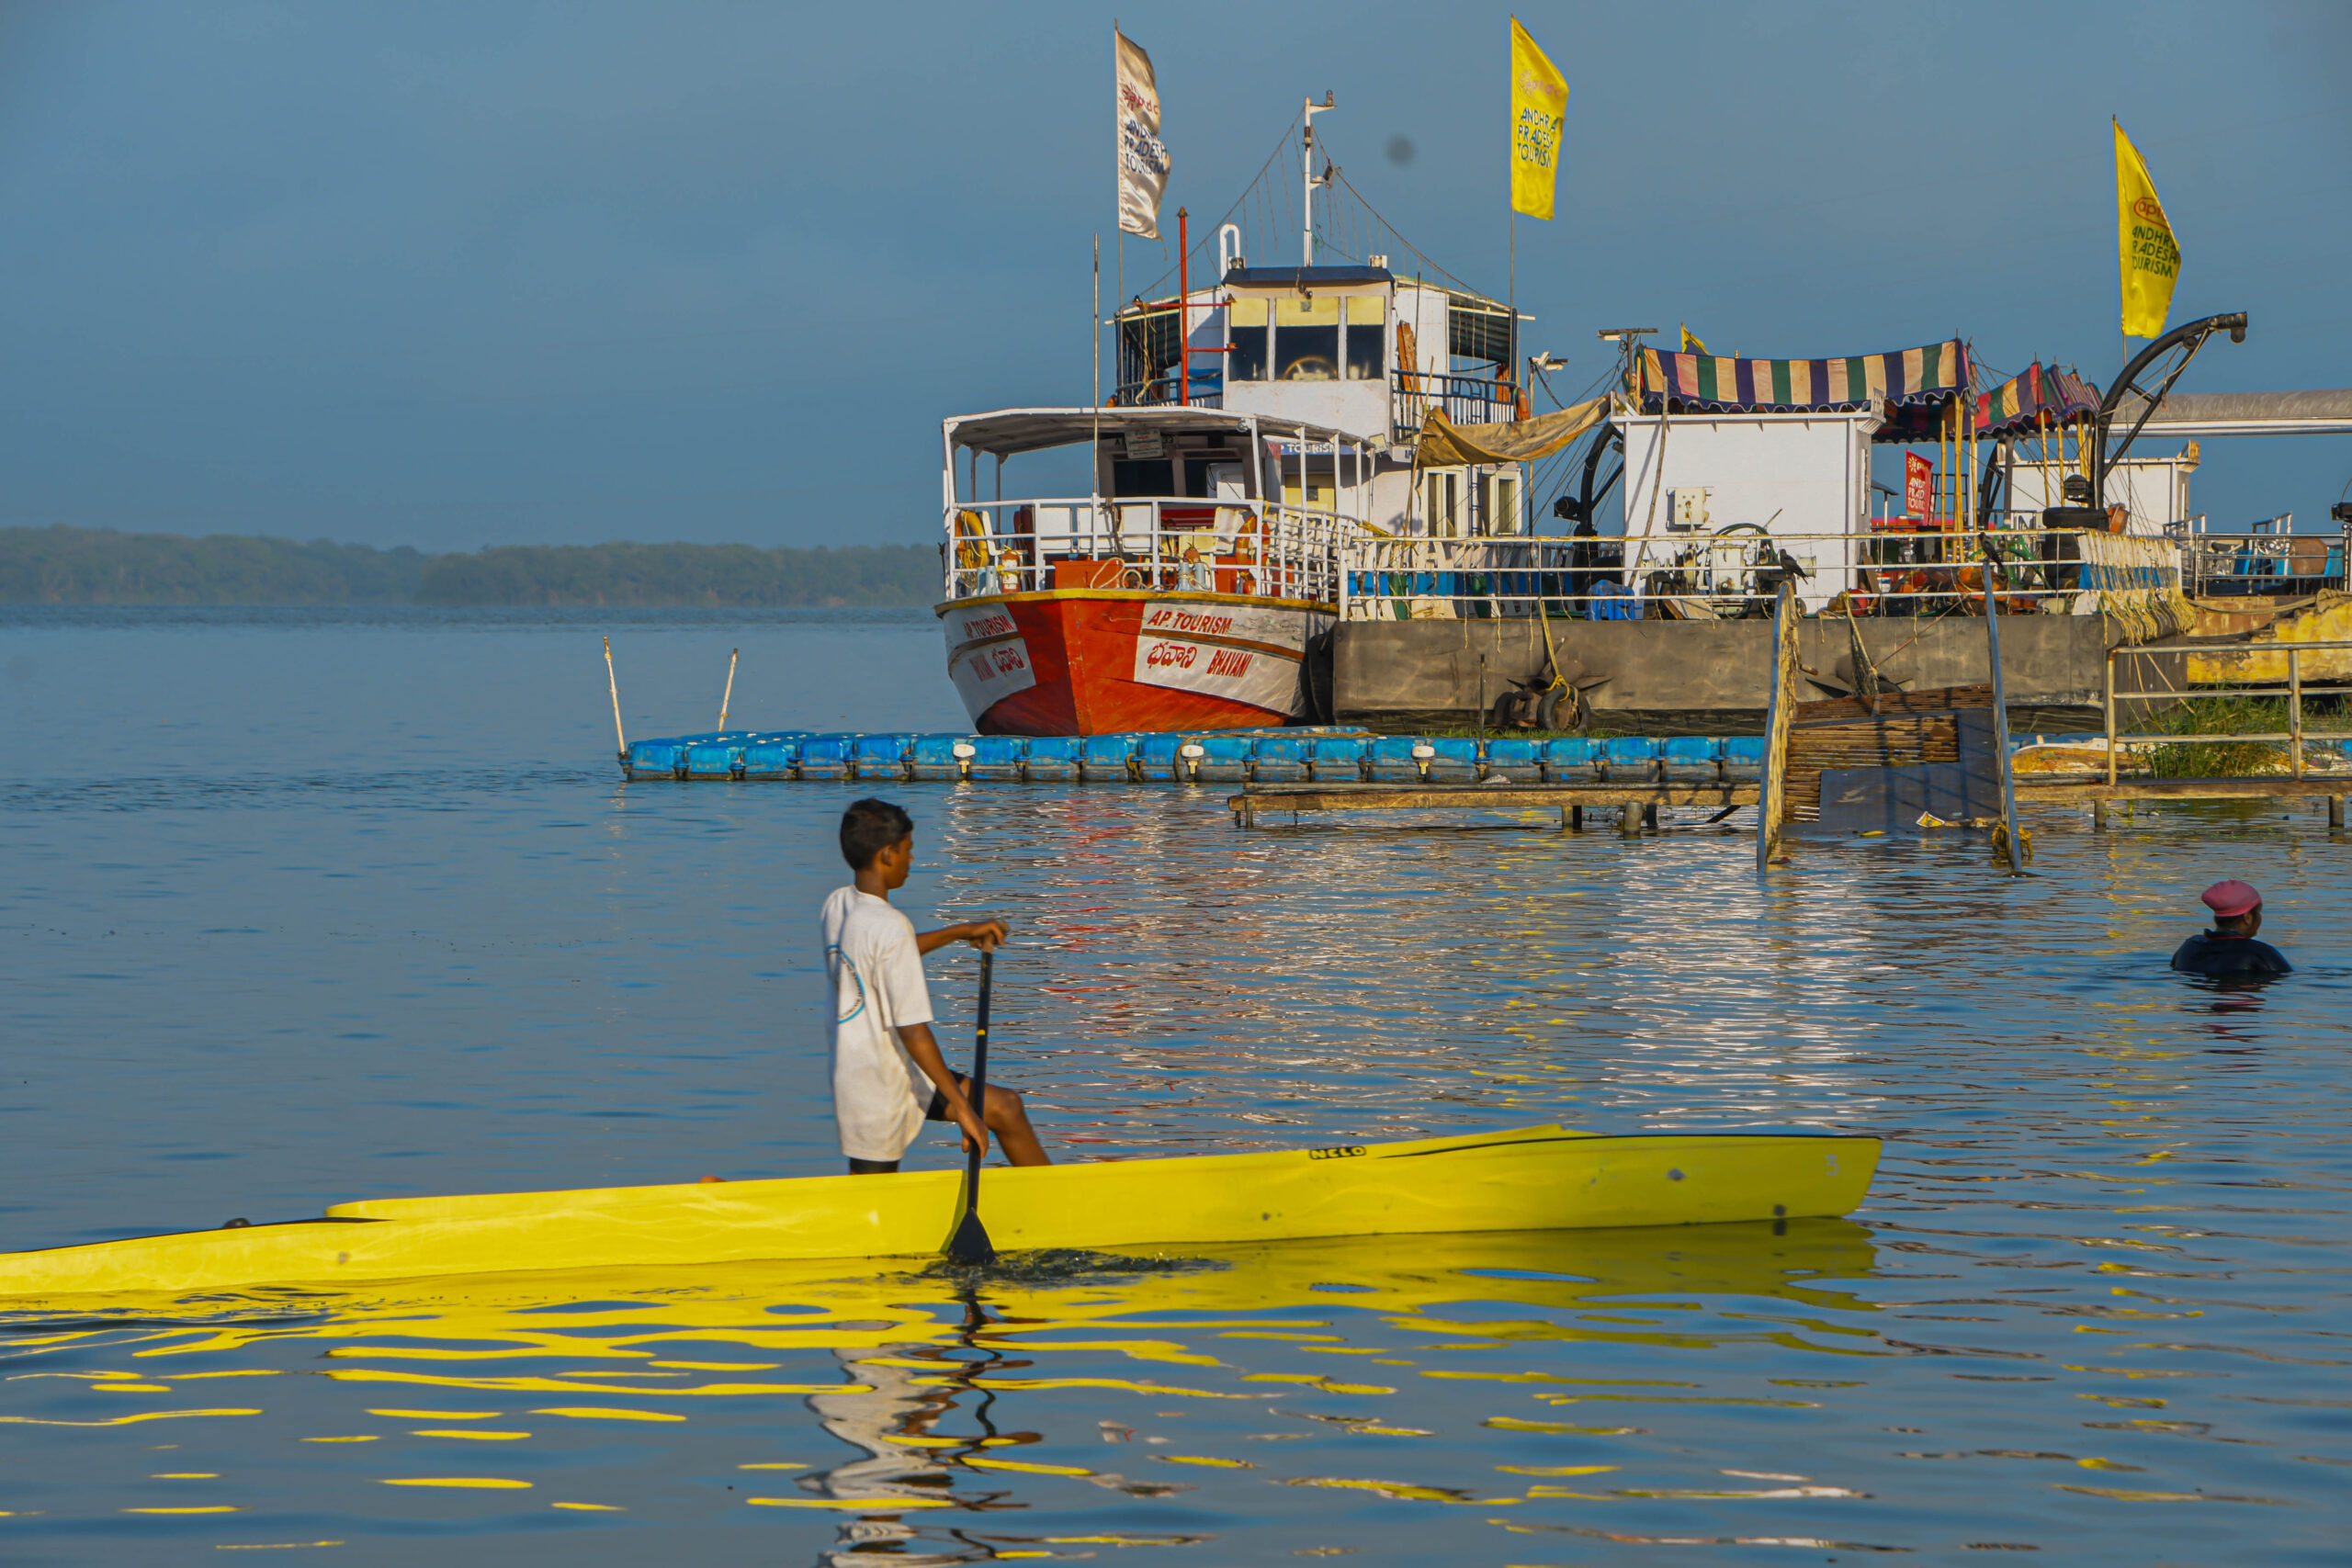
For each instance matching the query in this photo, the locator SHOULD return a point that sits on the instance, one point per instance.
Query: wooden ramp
(1900, 762)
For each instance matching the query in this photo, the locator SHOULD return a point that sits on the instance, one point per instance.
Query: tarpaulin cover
(1445, 445)
(1716, 383)
(2043, 392)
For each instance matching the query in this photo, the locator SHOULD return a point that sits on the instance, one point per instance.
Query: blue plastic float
(1272, 756)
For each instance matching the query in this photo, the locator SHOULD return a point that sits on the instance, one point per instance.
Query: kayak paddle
(971, 1246)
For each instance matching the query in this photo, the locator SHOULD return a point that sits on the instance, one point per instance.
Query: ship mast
(1306, 179)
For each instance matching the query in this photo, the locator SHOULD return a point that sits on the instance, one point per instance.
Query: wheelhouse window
(1143, 476)
(1248, 334)
(1367, 327)
(1306, 340)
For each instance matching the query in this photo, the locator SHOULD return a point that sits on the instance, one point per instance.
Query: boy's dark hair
(869, 827)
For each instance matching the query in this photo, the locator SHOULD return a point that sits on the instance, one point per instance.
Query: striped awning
(1696, 382)
(2043, 392)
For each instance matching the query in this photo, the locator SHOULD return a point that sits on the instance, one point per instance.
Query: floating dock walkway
(1637, 804)
(1268, 756)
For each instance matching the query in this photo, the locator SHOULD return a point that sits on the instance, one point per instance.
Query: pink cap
(2230, 899)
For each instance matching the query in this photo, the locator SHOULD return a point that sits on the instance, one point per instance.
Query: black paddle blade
(969, 1247)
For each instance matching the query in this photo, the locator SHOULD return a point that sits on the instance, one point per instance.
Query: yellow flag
(1539, 105)
(2149, 260)
(1691, 340)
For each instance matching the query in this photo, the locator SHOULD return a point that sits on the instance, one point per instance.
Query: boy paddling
(889, 1077)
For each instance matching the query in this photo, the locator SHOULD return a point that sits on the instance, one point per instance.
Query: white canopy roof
(2324, 412)
(1009, 431)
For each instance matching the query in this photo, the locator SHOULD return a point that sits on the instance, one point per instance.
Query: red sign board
(1918, 485)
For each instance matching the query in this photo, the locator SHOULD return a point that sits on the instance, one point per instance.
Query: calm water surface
(299, 908)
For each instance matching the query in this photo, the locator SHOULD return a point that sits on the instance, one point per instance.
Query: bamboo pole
(1771, 801)
(2041, 428)
(1968, 421)
(2295, 707)
(2001, 722)
(1942, 476)
(1948, 455)
(1959, 470)
(728, 695)
(613, 682)
(2107, 702)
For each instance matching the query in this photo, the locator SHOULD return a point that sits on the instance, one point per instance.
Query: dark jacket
(2218, 953)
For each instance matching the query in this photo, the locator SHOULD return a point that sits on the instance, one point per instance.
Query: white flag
(1143, 157)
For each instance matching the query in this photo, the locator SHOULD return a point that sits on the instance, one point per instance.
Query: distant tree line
(89, 566)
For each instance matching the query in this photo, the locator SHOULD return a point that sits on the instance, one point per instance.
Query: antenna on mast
(1306, 177)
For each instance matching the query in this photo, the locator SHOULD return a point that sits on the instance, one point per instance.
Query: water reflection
(377, 925)
(924, 1416)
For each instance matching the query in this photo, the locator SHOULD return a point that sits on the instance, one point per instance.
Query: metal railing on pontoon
(2297, 662)
(2225, 565)
(1735, 574)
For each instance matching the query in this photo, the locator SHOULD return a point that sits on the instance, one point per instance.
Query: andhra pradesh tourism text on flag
(1143, 157)
(2145, 252)
(1539, 107)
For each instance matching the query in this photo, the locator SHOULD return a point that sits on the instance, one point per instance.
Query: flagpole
(1118, 218)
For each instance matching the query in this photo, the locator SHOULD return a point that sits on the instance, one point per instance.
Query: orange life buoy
(971, 540)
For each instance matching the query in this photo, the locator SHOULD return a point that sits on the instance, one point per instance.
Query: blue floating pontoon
(1226, 757)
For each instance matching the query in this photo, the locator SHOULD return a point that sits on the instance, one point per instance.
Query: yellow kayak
(1530, 1178)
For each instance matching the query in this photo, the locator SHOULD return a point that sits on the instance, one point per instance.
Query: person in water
(889, 1077)
(2229, 949)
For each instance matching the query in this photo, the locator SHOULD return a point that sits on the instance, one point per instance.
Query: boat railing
(1167, 543)
(1733, 575)
(1465, 399)
(1160, 392)
(2241, 564)
(2293, 665)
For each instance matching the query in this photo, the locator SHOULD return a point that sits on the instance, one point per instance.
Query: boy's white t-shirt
(879, 1095)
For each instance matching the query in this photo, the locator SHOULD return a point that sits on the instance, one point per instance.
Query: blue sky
(454, 275)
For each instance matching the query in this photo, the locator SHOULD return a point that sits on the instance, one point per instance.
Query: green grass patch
(2226, 713)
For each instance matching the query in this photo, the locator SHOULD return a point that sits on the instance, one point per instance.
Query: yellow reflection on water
(940, 1390)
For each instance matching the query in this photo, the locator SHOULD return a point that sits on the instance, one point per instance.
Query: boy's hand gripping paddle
(971, 1246)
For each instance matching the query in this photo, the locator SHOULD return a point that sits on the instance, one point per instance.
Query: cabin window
(1246, 332)
(1306, 340)
(1479, 332)
(1367, 326)
(1143, 476)
(1444, 502)
(1500, 495)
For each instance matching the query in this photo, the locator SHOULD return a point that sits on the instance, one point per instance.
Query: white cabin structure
(1355, 349)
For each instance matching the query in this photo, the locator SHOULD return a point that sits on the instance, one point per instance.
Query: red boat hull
(1105, 661)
